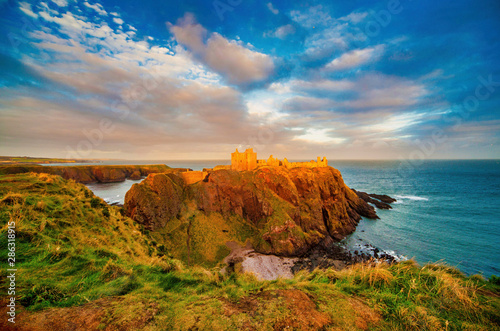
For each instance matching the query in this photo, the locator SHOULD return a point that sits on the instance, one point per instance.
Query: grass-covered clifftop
(82, 265)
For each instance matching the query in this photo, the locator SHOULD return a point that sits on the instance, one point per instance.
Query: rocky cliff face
(156, 200)
(289, 210)
(91, 173)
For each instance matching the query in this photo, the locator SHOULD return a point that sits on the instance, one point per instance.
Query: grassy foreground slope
(83, 266)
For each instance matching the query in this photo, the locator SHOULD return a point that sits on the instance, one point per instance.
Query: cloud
(368, 92)
(272, 9)
(198, 113)
(319, 136)
(324, 42)
(313, 17)
(323, 85)
(397, 122)
(238, 64)
(281, 32)
(61, 3)
(71, 24)
(327, 35)
(382, 91)
(101, 72)
(355, 58)
(354, 17)
(97, 7)
(26, 8)
(181, 98)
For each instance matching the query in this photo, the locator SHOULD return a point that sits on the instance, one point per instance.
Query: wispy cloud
(312, 17)
(61, 3)
(281, 32)
(354, 17)
(97, 7)
(355, 58)
(26, 8)
(272, 9)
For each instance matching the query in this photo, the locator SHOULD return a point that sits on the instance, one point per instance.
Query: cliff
(82, 265)
(281, 211)
(91, 173)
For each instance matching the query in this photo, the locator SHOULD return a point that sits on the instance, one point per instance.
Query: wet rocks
(380, 201)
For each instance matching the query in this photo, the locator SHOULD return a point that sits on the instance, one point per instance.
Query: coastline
(408, 219)
(328, 254)
(416, 224)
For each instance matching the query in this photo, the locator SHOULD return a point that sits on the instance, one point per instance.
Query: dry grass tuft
(370, 272)
(112, 271)
(455, 292)
(167, 265)
(11, 199)
(418, 318)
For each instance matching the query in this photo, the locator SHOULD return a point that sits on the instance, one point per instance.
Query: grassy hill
(82, 265)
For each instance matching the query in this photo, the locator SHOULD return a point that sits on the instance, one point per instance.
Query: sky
(159, 80)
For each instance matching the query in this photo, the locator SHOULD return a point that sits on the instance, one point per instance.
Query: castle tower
(244, 161)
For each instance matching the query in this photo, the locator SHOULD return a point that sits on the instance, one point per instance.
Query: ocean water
(113, 193)
(447, 210)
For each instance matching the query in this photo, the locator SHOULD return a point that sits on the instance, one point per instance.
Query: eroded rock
(292, 209)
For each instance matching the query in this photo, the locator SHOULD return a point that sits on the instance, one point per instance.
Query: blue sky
(197, 79)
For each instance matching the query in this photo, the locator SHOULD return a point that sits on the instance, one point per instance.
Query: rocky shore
(328, 254)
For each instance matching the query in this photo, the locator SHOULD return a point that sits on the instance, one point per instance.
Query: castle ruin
(244, 161)
(248, 161)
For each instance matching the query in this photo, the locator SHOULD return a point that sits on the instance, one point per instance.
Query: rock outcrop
(92, 173)
(380, 201)
(156, 200)
(291, 210)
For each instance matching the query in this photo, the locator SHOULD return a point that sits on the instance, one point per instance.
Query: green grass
(70, 246)
(72, 249)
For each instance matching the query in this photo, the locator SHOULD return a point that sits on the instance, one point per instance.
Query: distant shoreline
(26, 160)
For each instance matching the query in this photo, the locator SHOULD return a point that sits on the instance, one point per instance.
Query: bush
(95, 202)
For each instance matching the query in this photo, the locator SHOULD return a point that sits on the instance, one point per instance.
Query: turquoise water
(446, 210)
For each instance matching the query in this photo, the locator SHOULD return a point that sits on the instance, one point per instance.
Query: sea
(447, 211)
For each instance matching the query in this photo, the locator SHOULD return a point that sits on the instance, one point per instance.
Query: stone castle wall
(191, 177)
(248, 161)
(311, 164)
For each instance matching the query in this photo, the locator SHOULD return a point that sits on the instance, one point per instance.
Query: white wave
(410, 197)
(396, 256)
(370, 250)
